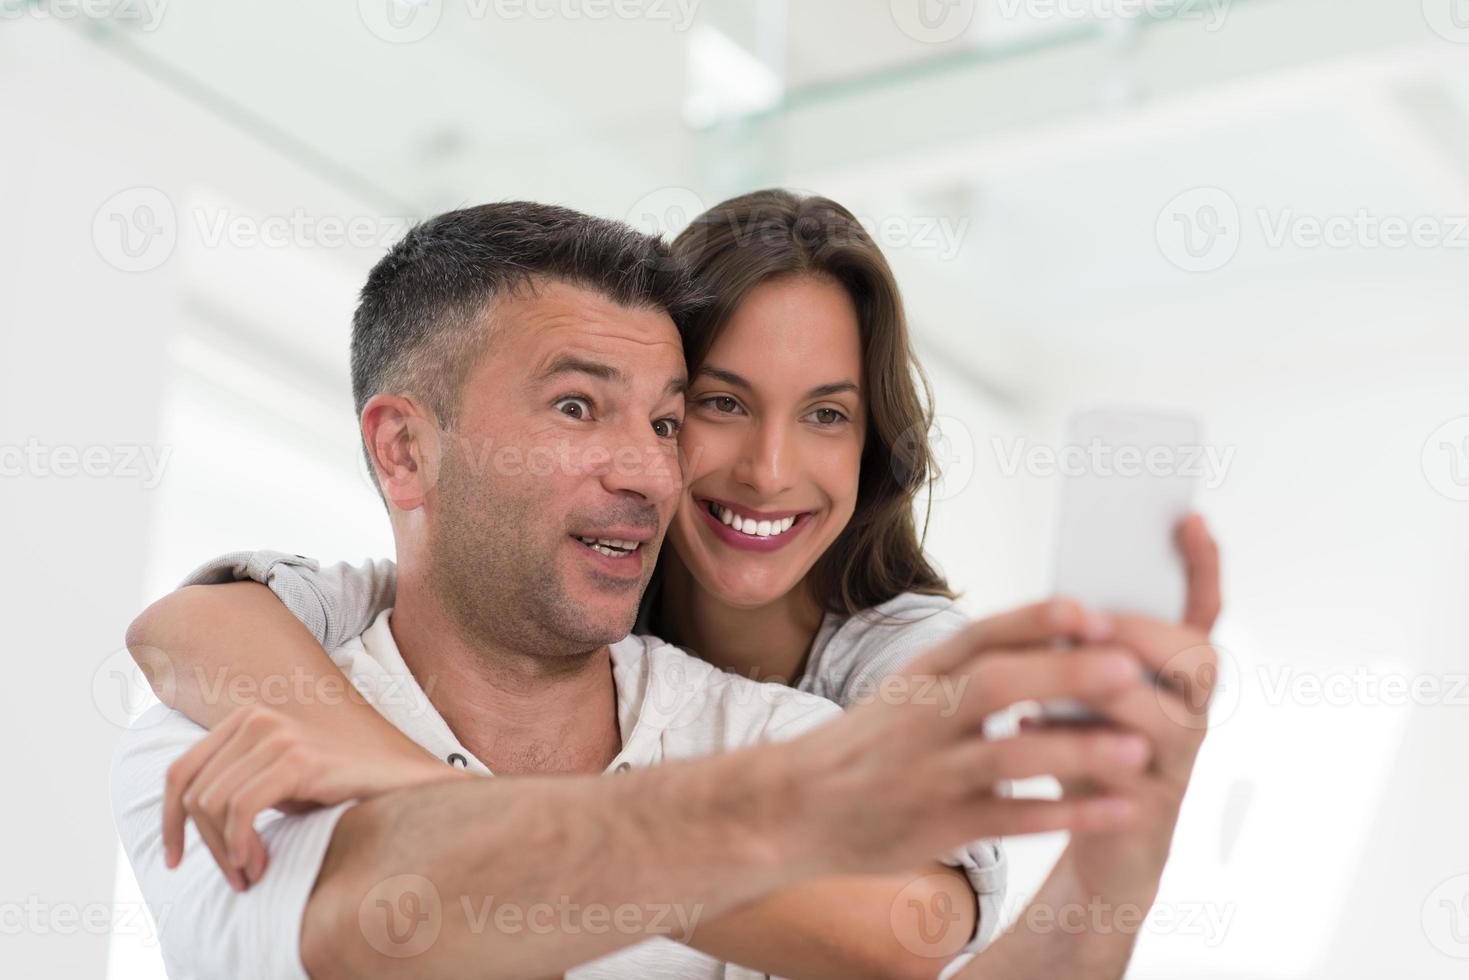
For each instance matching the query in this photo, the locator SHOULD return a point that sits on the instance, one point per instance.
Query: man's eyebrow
(820, 391)
(573, 364)
(676, 386)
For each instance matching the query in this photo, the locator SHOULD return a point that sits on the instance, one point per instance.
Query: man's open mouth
(611, 547)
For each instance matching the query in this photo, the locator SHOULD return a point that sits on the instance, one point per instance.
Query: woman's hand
(259, 758)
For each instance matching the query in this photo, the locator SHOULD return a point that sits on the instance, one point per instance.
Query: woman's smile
(752, 530)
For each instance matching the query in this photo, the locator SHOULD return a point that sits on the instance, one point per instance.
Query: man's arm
(412, 880)
(448, 879)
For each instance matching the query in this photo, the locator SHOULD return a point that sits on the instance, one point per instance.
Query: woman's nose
(766, 463)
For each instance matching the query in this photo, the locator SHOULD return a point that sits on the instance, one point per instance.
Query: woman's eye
(723, 404)
(827, 416)
(575, 408)
(667, 428)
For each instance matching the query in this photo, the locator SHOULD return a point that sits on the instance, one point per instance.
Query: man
(519, 329)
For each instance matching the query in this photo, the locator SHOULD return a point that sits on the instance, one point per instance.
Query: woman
(794, 556)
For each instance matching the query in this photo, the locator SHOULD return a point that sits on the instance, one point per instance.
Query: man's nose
(643, 463)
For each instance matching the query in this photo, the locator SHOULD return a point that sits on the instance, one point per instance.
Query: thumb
(1201, 560)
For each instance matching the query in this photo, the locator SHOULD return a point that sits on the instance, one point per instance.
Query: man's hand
(902, 779)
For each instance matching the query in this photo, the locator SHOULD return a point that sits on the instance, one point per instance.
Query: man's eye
(575, 407)
(667, 428)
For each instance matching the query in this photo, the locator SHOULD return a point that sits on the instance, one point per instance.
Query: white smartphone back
(1130, 478)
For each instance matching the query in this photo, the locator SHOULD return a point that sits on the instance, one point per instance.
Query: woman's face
(772, 441)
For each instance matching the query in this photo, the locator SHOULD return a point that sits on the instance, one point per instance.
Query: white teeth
(751, 526)
(611, 547)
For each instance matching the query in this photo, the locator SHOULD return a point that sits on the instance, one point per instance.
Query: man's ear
(406, 447)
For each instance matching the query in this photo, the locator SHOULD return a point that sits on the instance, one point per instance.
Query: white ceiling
(1050, 162)
(482, 105)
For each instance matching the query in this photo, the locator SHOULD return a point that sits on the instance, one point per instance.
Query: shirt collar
(646, 702)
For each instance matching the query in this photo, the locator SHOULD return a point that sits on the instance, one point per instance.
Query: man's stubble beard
(499, 584)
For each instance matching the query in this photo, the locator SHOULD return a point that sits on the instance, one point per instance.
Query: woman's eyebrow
(728, 377)
(834, 388)
(820, 391)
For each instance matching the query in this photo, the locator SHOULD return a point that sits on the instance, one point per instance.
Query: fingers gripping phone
(1129, 477)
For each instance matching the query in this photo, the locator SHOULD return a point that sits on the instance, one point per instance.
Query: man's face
(562, 474)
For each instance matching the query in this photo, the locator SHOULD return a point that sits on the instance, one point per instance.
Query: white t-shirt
(669, 706)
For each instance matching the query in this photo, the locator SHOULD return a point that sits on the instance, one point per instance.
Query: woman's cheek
(838, 471)
(699, 448)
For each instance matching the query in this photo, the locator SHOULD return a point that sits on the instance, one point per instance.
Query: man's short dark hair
(419, 326)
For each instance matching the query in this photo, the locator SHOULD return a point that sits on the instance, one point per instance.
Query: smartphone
(1129, 477)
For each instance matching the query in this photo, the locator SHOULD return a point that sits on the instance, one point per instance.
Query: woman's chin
(747, 592)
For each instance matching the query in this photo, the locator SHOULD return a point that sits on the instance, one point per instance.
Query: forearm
(906, 925)
(1067, 930)
(528, 872)
(209, 649)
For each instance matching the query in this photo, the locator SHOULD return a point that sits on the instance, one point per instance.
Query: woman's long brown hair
(734, 247)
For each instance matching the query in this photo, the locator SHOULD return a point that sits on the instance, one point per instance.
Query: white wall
(93, 356)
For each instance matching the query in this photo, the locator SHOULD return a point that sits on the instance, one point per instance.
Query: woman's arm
(209, 649)
(893, 926)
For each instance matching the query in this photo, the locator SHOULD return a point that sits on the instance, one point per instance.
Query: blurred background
(1256, 211)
